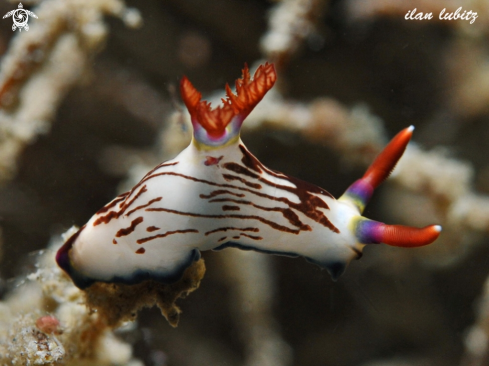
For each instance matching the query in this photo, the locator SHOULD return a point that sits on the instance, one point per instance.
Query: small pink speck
(48, 324)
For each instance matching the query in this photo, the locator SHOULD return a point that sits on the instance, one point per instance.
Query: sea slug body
(215, 194)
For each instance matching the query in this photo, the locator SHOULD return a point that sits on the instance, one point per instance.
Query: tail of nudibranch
(359, 193)
(220, 126)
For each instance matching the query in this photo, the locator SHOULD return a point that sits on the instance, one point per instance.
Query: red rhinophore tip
(409, 237)
(385, 162)
(249, 93)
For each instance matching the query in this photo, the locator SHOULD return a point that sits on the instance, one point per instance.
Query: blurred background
(89, 103)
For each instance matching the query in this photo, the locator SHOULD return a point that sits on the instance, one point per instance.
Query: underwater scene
(244, 183)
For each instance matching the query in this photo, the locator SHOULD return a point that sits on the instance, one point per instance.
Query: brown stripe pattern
(144, 240)
(243, 190)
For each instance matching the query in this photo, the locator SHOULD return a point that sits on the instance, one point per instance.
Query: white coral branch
(42, 65)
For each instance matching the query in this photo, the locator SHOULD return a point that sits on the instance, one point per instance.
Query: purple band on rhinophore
(360, 191)
(369, 231)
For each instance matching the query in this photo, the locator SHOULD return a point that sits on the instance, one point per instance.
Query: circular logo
(20, 18)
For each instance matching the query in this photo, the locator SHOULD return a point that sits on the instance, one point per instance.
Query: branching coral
(42, 65)
(354, 133)
(290, 23)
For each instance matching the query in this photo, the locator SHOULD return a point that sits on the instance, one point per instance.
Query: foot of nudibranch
(116, 303)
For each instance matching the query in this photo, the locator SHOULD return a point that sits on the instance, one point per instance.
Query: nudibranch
(215, 194)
